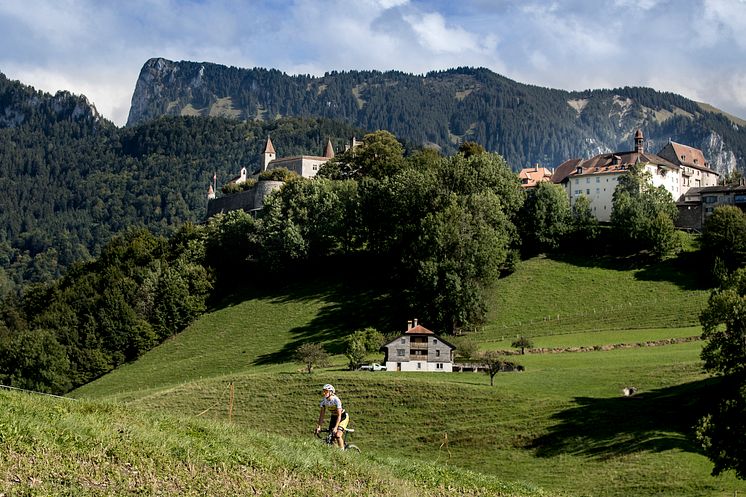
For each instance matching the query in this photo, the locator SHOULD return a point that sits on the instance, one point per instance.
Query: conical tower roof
(269, 148)
(329, 150)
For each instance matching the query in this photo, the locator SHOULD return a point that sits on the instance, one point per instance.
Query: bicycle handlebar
(326, 430)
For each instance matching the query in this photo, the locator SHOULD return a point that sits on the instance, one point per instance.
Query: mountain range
(71, 179)
(524, 123)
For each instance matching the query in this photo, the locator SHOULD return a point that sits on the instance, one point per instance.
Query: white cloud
(97, 48)
(434, 35)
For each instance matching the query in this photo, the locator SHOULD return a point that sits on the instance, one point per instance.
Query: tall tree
(724, 236)
(545, 218)
(723, 430)
(643, 215)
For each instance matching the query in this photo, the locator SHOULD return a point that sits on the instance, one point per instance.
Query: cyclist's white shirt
(332, 402)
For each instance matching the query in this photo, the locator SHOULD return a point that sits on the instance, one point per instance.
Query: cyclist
(338, 416)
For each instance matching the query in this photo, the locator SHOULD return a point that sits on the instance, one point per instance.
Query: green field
(562, 425)
(71, 448)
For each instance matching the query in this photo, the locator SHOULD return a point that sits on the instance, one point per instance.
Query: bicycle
(329, 439)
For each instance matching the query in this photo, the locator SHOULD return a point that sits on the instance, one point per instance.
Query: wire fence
(8, 387)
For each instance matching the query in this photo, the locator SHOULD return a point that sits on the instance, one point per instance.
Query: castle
(252, 199)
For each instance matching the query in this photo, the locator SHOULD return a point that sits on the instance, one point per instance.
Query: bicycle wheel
(352, 447)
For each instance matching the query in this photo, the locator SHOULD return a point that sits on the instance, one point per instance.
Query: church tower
(269, 154)
(639, 142)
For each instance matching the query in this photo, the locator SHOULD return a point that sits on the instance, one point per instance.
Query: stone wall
(249, 200)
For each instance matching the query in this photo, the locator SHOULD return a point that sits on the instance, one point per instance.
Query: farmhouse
(418, 349)
(677, 168)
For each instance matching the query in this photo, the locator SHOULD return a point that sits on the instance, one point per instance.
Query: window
(711, 199)
(598, 190)
(400, 352)
(577, 181)
(435, 342)
(419, 365)
(439, 365)
(403, 340)
(587, 180)
(598, 180)
(587, 191)
(437, 353)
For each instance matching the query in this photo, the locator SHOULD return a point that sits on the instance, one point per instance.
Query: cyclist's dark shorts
(343, 423)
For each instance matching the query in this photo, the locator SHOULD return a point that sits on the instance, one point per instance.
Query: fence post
(230, 406)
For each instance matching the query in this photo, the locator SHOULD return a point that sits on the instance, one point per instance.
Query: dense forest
(433, 231)
(71, 179)
(523, 123)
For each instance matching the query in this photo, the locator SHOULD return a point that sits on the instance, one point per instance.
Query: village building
(418, 349)
(677, 170)
(530, 177)
(697, 204)
(303, 165)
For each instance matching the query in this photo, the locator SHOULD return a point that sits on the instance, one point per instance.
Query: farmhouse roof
(419, 330)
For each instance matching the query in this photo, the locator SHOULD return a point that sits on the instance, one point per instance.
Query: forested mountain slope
(526, 124)
(71, 179)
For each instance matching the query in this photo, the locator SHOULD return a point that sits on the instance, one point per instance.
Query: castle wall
(249, 200)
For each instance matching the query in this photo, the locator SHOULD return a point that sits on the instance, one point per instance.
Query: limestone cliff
(526, 124)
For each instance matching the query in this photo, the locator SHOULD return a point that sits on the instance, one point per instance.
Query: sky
(696, 48)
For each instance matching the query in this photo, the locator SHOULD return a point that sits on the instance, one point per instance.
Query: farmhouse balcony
(418, 346)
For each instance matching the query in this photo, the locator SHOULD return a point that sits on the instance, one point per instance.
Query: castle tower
(329, 150)
(639, 142)
(269, 154)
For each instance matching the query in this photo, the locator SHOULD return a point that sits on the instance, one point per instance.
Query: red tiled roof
(565, 169)
(615, 162)
(419, 330)
(531, 176)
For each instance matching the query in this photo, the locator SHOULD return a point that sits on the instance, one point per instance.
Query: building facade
(700, 202)
(418, 349)
(677, 170)
(303, 165)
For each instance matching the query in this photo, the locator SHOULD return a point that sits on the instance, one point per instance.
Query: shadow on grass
(653, 421)
(357, 293)
(684, 270)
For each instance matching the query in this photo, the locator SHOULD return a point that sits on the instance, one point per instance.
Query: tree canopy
(643, 215)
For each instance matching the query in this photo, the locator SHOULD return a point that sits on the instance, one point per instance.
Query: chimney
(415, 322)
(409, 325)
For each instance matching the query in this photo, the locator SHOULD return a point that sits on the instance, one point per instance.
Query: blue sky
(693, 47)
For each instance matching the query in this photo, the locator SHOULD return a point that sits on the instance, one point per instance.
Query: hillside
(71, 179)
(526, 124)
(562, 424)
(65, 447)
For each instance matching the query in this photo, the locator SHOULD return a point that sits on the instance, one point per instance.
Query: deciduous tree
(311, 355)
(723, 430)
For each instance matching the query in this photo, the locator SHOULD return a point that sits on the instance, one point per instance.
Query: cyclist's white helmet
(328, 387)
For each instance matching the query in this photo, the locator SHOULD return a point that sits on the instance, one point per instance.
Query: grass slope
(552, 297)
(561, 425)
(69, 448)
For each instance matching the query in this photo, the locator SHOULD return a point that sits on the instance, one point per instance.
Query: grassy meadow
(63, 447)
(562, 425)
